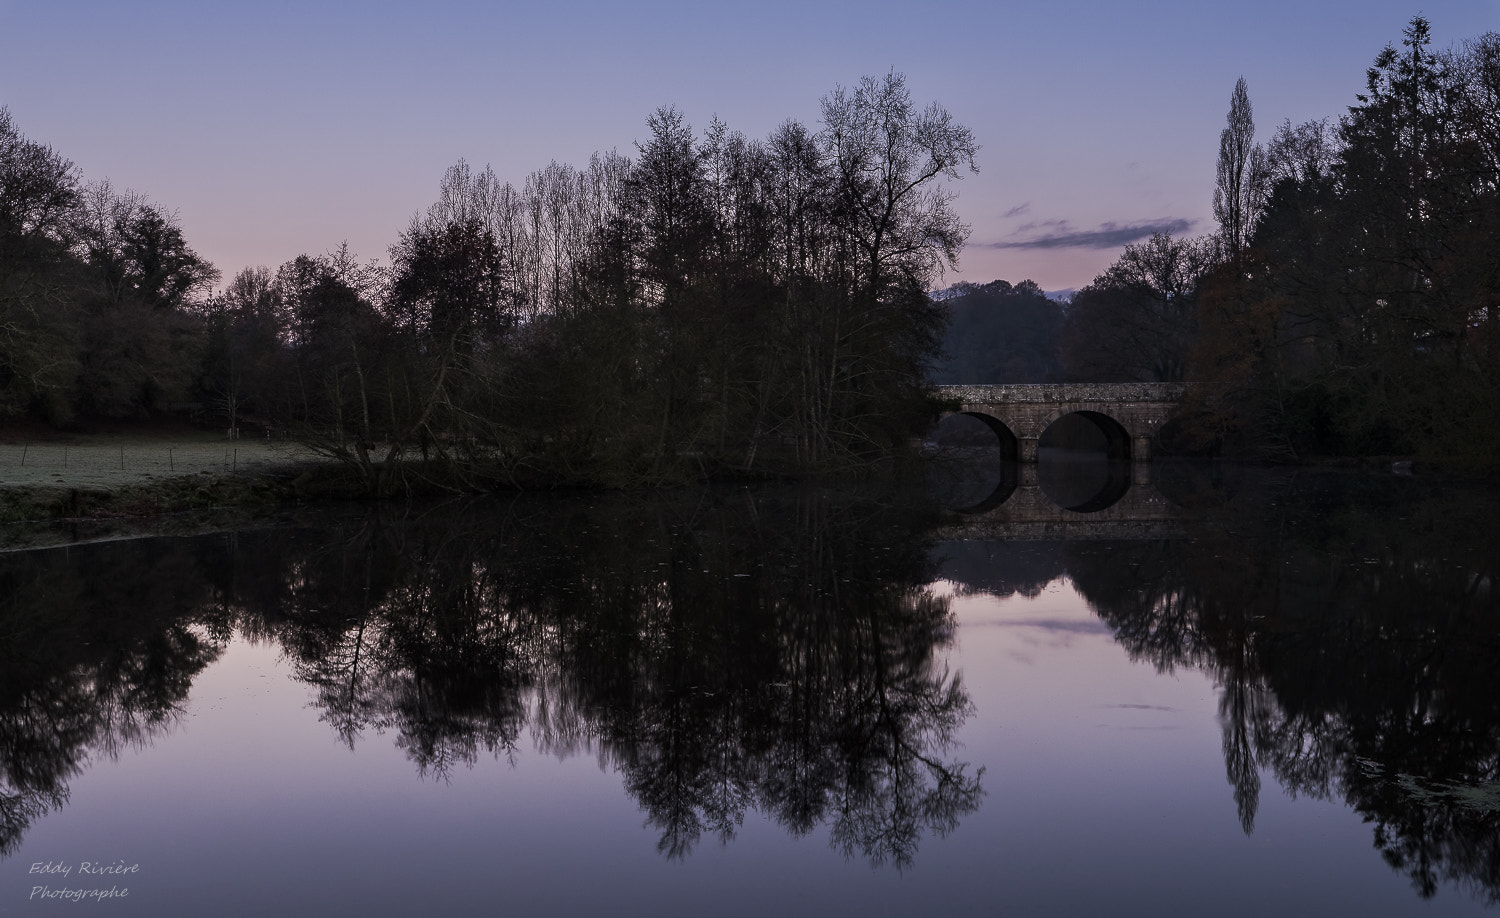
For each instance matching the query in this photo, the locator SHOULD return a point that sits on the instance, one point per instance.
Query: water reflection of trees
(724, 654)
(1354, 628)
(738, 654)
(88, 666)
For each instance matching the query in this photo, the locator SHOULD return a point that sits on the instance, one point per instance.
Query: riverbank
(101, 480)
(59, 488)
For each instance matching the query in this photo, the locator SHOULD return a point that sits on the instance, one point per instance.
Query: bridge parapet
(1060, 393)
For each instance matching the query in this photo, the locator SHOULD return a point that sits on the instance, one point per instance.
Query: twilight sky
(274, 129)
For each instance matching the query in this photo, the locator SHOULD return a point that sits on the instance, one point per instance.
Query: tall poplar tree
(1242, 166)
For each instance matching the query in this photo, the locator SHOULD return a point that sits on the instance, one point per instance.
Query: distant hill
(999, 333)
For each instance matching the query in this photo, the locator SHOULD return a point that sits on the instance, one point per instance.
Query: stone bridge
(1128, 414)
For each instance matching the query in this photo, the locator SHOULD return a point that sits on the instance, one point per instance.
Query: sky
(277, 129)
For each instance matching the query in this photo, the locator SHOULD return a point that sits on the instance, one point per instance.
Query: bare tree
(889, 158)
(38, 187)
(894, 233)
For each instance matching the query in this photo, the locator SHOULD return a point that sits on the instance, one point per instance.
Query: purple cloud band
(1107, 236)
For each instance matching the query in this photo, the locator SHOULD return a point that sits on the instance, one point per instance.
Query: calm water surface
(1226, 692)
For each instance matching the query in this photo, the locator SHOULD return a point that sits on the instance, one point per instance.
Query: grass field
(108, 461)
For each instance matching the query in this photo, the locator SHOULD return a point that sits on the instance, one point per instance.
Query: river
(1204, 690)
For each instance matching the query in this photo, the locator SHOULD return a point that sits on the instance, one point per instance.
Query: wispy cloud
(1142, 707)
(1064, 626)
(1018, 210)
(1106, 236)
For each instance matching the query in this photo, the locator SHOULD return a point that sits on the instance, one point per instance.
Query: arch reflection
(1083, 483)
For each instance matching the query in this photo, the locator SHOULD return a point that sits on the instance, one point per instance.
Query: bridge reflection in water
(1062, 496)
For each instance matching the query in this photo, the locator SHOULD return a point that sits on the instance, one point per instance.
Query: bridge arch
(1010, 444)
(1117, 440)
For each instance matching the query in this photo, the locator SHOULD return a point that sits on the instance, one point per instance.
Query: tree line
(714, 304)
(1359, 314)
(1347, 303)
